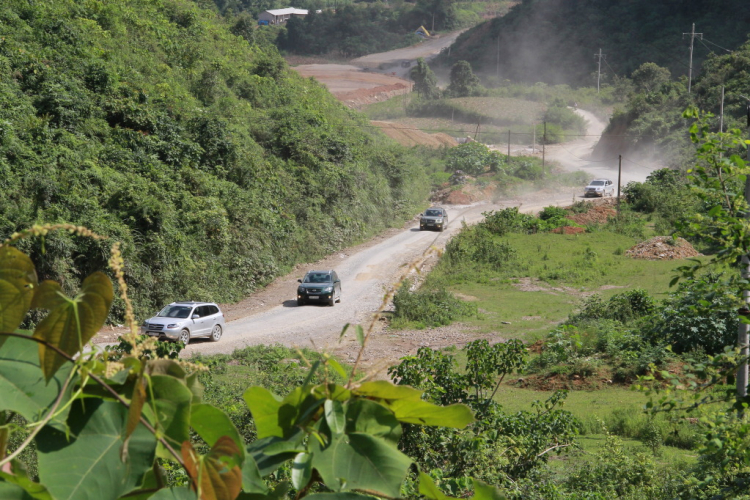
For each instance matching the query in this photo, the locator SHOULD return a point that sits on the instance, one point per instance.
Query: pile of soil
(357, 99)
(663, 248)
(599, 213)
(569, 230)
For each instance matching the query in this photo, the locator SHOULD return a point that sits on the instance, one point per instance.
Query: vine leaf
(217, 475)
(71, 323)
(17, 284)
(85, 464)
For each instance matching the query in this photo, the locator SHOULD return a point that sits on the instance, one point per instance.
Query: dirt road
(367, 271)
(375, 77)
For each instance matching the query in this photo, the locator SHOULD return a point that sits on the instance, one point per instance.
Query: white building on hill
(280, 16)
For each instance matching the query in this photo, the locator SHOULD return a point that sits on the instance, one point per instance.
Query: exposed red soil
(599, 213)
(663, 248)
(409, 136)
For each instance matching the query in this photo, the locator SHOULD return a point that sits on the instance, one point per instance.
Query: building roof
(288, 10)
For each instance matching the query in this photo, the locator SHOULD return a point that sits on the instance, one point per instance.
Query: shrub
(428, 307)
(700, 314)
(508, 220)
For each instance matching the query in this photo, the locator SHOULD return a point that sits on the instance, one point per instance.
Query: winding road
(367, 271)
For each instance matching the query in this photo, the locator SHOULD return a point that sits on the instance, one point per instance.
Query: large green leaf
(211, 424)
(71, 323)
(179, 493)
(25, 487)
(279, 493)
(264, 407)
(338, 496)
(172, 399)
(86, 465)
(429, 490)
(22, 385)
(252, 481)
(360, 462)
(421, 412)
(301, 470)
(484, 491)
(217, 473)
(369, 417)
(382, 389)
(269, 459)
(18, 282)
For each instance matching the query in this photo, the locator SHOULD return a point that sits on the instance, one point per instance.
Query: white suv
(185, 320)
(600, 187)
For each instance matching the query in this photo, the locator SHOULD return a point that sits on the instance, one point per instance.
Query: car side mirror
(195, 316)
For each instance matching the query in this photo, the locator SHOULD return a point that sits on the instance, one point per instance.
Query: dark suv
(319, 286)
(434, 218)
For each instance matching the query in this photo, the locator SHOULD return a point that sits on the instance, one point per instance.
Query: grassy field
(554, 274)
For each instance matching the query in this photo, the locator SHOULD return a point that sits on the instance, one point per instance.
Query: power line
(722, 48)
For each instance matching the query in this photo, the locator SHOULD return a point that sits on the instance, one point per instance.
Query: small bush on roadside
(428, 307)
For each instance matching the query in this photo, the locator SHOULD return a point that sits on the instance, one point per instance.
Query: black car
(434, 218)
(319, 286)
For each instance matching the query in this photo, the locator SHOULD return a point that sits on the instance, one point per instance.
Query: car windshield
(433, 213)
(596, 183)
(175, 312)
(318, 278)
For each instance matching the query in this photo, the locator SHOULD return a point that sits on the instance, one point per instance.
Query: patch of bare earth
(663, 248)
(409, 136)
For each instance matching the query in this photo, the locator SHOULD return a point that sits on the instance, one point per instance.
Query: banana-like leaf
(457, 416)
(86, 465)
(22, 386)
(18, 282)
(71, 323)
(360, 462)
(382, 389)
(217, 475)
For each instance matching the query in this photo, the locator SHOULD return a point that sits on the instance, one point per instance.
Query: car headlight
(328, 289)
(173, 325)
(300, 290)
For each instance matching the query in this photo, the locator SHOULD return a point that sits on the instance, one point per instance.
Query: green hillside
(149, 122)
(554, 41)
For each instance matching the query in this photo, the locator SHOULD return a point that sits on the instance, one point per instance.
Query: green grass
(569, 267)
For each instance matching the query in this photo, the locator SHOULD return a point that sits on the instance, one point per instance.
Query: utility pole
(497, 69)
(619, 182)
(721, 114)
(508, 145)
(692, 39)
(544, 142)
(743, 331)
(599, 71)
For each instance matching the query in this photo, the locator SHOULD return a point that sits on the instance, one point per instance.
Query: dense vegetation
(554, 41)
(154, 125)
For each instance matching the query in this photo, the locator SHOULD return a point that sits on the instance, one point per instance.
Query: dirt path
(375, 77)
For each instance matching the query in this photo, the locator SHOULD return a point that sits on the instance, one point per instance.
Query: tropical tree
(463, 80)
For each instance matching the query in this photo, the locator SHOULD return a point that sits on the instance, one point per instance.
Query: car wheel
(184, 336)
(332, 302)
(442, 228)
(300, 302)
(216, 333)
